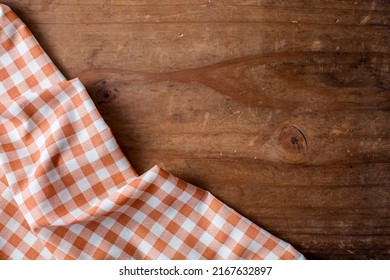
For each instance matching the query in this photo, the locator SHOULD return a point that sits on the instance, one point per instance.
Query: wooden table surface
(279, 108)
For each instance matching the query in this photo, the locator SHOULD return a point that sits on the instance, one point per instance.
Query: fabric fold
(69, 192)
(23, 66)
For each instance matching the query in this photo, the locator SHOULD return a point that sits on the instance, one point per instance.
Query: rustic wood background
(279, 108)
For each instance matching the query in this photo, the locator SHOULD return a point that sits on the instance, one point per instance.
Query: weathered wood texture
(279, 108)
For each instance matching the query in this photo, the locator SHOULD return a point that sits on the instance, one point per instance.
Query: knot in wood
(292, 144)
(106, 95)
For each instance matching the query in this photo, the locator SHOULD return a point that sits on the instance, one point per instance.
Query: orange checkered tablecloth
(68, 192)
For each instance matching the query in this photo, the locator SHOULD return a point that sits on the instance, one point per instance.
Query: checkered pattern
(23, 66)
(68, 192)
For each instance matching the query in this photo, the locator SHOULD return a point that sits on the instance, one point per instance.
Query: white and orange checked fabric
(68, 192)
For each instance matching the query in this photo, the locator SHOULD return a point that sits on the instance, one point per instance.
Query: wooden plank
(279, 108)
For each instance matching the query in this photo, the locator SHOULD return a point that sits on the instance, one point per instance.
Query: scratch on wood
(364, 20)
(206, 118)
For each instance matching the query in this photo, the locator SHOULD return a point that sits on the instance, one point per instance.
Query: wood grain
(279, 108)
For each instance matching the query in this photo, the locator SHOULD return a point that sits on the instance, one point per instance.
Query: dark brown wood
(279, 108)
